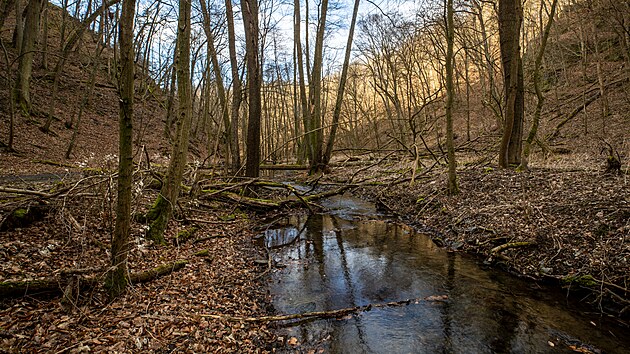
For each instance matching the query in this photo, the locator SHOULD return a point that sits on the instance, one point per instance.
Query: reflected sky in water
(342, 259)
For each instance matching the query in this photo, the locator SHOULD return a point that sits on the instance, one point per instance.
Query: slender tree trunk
(45, 11)
(223, 105)
(5, 9)
(170, 101)
(237, 95)
(25, 69)
(250, 21)
(116, 280)
(9, 146)
(18, 34)
(314, 132)
(161, 211)
(539, 94)
(340, 90)
(301, 77)
(450, 93)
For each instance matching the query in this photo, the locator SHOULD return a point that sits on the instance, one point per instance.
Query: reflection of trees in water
(350, 288)
(353, 263)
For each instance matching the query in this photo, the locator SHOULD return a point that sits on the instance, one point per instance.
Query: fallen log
(326, 314)
(285, 167)
(267, 204)
(57, 285)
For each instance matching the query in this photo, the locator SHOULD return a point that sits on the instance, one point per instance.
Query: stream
(352, 256)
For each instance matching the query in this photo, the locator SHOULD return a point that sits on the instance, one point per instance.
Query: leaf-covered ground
(164, 315)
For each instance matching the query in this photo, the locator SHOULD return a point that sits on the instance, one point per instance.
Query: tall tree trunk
(7, 63)
(223, 105)
(25, 69)
(510, 20)
(116, 280)
(539, 94)
(450, 92)
(314, 131)
(161, 211)
(297, 20)
(340, 90)
(250, 21)
(237, 95)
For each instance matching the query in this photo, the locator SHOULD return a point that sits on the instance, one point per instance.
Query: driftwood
(57, 285)
(326, 314)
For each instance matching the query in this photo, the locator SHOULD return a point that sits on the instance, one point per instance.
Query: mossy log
(185, 235)
(56, 286)
(22, 217)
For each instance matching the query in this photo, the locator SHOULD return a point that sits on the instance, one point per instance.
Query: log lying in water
(326, 314)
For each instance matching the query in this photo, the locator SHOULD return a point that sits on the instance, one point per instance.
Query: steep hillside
(97, 141)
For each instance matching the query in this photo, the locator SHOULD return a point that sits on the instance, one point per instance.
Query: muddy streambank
(570, 228)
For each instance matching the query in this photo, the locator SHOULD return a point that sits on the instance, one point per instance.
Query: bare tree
(162, 209)
(341, 88)
(116, 280)
(22, 91)
(450, 93)
(254, 81)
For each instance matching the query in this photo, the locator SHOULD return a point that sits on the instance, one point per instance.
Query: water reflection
(337, 261)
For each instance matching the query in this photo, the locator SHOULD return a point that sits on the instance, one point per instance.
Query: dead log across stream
(326, 314)
(268, 204)
(57, 285)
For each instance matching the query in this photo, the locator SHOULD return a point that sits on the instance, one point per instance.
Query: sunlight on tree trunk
(341, 88)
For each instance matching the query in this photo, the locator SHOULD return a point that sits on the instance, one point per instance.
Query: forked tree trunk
(116, 280)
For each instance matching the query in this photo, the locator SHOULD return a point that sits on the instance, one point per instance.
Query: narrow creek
(352, 256)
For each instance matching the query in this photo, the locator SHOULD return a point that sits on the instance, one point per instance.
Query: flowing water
(351, 256)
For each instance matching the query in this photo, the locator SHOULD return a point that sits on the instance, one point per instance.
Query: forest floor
(163, 315)
(576, 223)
